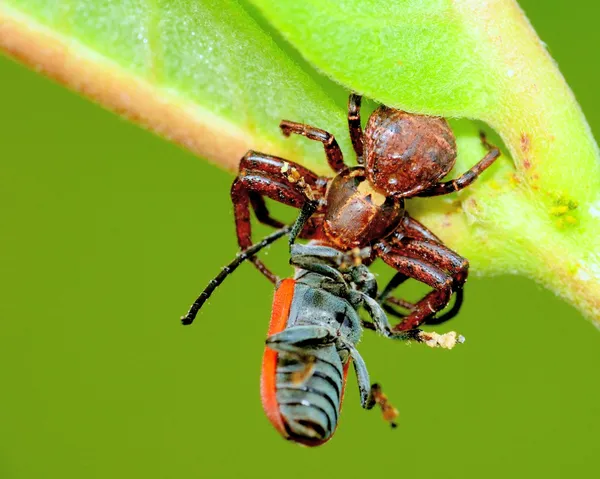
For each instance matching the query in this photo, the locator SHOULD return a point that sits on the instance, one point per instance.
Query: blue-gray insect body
(314, 331)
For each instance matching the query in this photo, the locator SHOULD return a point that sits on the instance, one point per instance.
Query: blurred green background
(109, 233)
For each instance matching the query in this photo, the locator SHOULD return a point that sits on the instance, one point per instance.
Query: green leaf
(199, 72)
(206, 75)
(478, 60)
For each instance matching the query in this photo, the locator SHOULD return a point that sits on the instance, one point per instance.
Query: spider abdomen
(406, 153)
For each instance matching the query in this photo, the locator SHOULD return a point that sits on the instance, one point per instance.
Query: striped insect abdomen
(309, 392)
(301, 393)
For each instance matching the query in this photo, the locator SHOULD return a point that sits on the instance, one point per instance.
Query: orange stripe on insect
(282, 302)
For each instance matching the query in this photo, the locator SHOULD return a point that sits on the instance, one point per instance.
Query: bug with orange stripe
(314, 330)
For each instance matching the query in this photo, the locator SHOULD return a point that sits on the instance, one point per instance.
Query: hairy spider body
(404, 153)
(400, 155)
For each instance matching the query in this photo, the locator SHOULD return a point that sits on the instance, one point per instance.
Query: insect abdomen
(309, 391)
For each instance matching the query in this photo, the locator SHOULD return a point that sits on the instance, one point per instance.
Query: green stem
(503, 232)
(557, 159)
(531, 106)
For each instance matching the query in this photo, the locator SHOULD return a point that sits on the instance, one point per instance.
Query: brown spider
(400, 155)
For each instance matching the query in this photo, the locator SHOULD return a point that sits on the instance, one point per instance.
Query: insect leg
(362, 376)
(322, 254)
(370, 395)
(308, 263)
(432, 339)
(390, 413)
(300, 337)
(382, 324)
(343, 261)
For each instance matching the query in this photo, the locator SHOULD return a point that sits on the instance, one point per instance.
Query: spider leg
(356, 132)
(262, 212)
(274, 165)
(454, 264)
(413, 229)
(446, 316)
(418, 241)
(332, 149)
(422, 269)
(452, 312)
(444, 258)
(466, 178)
(265, 175)
(394, 283)
(264, 216)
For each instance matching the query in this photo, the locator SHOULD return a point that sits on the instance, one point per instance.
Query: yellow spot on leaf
(559, 210)
(571, 219)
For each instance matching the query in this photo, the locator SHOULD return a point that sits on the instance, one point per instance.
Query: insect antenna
(293, 230)
(230, 268)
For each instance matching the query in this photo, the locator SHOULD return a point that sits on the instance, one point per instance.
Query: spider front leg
(424, 271)
(265, 175)
(418, 241)
(263, 215)
(414, 240)
(413, 229)
(354, 126)
(447, 316)
(332, 149)
(443, 258)
(466, 178)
